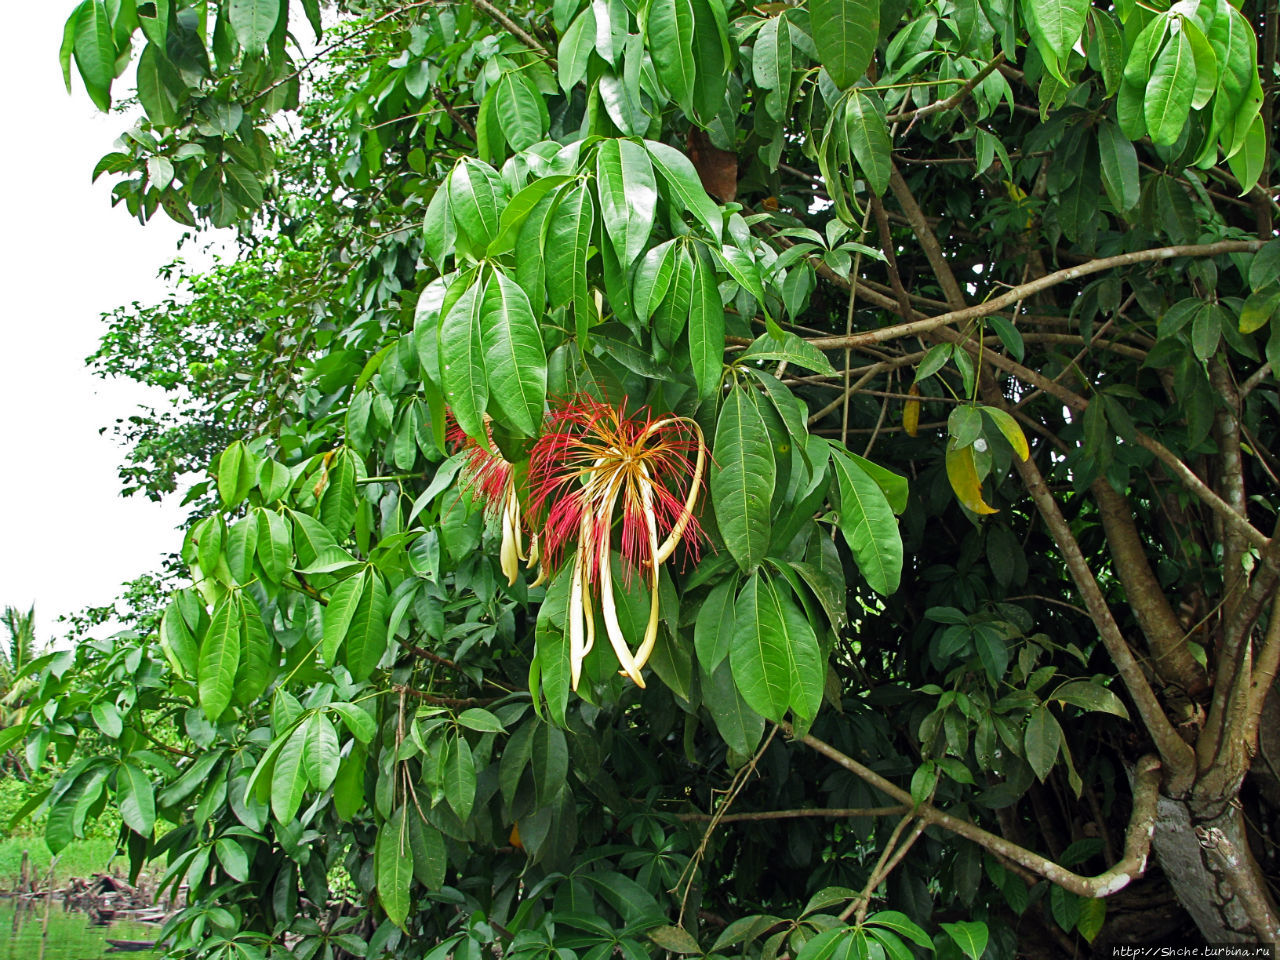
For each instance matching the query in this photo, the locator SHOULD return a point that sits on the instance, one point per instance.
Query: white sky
(66, 256)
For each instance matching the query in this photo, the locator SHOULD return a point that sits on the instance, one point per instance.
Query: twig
(954, 99)
(841, 813)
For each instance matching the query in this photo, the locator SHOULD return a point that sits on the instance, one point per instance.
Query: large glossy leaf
(653, 278)
(520, 109)
(256, 650)
(219, 659)
(683, 185)
(775, 663)
(568, 243)
(253, 21)
(1042, 740)
(714, 625)
(575, 49)
(337, 615)
(670, 28)
(628, 196)
(275, 545)
(1169, 91)
(394, 862)
(136, 798)
(367, 636)
(95, 51)
(1055, 27)
(845, 33)
(462, 365)
(808, 672)
(869, 526)
(706, 329)
(320, 751)
(289, 776)
(1119, 161)
(460, 777)
(514, 358)
(673, 312)
(869, 140)
(742, 477)
(476, 199)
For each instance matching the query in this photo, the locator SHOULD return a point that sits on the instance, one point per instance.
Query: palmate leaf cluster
(350, 736)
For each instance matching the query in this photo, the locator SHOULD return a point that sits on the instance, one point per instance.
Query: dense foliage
(780, 480)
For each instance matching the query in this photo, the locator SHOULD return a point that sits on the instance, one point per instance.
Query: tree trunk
(1204, 850)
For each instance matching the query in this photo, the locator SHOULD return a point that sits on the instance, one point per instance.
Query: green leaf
(628, 196)
(1259, 307)
(792, 349)
(653, 278)
(460, 777)
(481, 720)
(233, 859)
(743, 269)
(219, 659)
(675, 940)
(771, 63)
(514, 357)
(157, 83)
(575, 49)
(869, 139)
(969, 935)
(475, 200)
(253, 21)
(740, 727)
(714, 625)
(1093, 914)
(367, 636)
(742, 478)
(868, 524)
(69, 30)
(136, 799)
(1168, 98)
(337, 616)
(289, 776)
(1264, 268)
(706, 329)
(320, 754)
(517, 212)
(845, 33)
(362, 726)
(520, 109)
(1246, 165)
(1041, 741)
(670, 29)
(568, 244)
(1119, 161)
(107, 719)
(95, 52)
(672, 313)
(808, 671)
(462, 365)
(394, 862)
(1055, 27)
(1090, 696)
(275, 546)
(684, 185)
(900, 923)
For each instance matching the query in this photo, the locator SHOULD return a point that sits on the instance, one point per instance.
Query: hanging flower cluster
(491, 479)
(595, 468)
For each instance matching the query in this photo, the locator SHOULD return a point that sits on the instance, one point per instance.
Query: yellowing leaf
(1012, 432)
(964, 480)
(911, 412)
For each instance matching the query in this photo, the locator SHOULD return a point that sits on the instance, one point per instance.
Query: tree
(632, 293)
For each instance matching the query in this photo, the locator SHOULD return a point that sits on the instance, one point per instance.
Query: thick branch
(928, 243)
(1137, 843)
(1177, 756)
(1171, 655)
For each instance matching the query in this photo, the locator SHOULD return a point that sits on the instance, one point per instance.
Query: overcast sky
(69, 539)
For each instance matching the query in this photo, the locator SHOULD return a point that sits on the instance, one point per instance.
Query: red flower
(490, 478)
(593, 462)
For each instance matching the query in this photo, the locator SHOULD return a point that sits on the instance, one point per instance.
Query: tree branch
(512, 27)
(842, 813)
(1024, 290)
(1137, 845)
